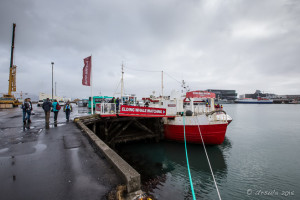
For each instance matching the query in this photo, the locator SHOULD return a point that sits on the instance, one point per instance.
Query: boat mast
(122, 82)
(162, 85)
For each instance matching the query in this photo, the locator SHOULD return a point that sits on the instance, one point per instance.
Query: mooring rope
(187, 161)
(212, 173)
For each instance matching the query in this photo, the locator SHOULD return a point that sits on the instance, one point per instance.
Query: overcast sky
(227, 44)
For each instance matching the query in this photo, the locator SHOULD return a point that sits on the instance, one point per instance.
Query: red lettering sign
(200, 94)
(136, 110)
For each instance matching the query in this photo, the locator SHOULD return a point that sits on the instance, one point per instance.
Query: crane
(8, 100)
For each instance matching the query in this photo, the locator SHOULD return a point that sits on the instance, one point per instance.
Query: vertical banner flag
(86, 78)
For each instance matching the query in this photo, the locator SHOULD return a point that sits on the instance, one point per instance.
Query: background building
(43, 96)
(258, 93)
(291, 97)
(224, 94)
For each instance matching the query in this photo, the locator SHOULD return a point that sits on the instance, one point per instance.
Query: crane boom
(12, 68)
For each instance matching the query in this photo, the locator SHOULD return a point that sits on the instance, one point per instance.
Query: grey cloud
(211, 44)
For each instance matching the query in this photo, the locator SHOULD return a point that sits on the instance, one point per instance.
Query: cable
(187, 161)
(142, 70)
(117, 88)
(153, 71)
(173, 77)
(212, 173)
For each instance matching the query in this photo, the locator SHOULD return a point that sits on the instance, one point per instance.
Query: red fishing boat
(197, 115)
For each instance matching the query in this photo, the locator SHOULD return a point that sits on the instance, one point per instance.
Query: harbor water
(259, 158)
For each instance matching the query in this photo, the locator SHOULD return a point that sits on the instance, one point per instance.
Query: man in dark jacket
(25, 108)
(47, 107)
(29, 112)
(117, 104)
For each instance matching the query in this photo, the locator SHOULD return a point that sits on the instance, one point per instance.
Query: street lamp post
(52, 63)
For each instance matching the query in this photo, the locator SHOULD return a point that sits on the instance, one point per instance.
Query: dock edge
(127, 173)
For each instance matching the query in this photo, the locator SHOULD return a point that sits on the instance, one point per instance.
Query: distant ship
(294, 102)
(259, 100)
(223, 101)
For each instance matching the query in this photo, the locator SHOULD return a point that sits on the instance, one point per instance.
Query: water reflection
(226, 145)
(163, 167)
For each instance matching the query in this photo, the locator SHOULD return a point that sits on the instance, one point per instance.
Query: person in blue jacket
(68, 110)
(55, 108)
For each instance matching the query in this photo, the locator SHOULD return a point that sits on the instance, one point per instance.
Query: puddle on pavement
(40, 147)
(4, 150)
(56, 125)
(39, 120)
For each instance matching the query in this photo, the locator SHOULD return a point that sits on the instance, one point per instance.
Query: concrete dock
(54, 163)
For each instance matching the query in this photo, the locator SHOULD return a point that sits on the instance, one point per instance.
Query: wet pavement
(54, 163)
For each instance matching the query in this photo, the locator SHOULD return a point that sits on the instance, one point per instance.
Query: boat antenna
(184, 87)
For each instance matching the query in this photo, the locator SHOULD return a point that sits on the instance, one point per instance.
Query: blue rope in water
(187, 161)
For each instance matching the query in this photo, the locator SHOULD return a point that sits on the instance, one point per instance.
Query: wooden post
(105, 131)
(94, 127)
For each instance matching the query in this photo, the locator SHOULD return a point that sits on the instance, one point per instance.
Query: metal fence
(199, 109)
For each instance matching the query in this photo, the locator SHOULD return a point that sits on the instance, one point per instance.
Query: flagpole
(92, 98)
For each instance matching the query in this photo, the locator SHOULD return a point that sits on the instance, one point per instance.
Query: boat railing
(217, 115)
(214, 114)
(105, 108)
(110, 108)
(198, 109)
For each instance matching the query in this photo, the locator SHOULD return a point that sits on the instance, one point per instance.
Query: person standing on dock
(26, 109)
(30, 110)
(112, 105)
(47, 107)
(68, 110)
(112, 100)
(56, 108)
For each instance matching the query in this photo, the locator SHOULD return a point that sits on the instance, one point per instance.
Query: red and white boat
(195, 113)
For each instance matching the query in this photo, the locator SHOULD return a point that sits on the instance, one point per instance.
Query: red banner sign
(86, 77)
(136, 110)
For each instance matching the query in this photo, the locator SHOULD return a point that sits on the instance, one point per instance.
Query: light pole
(52, 63)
